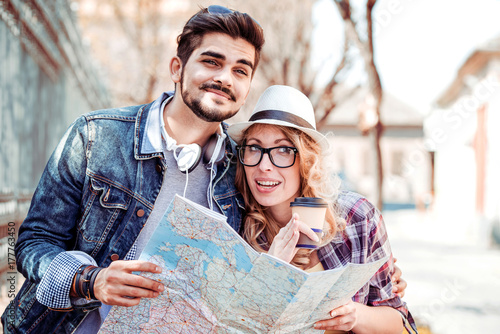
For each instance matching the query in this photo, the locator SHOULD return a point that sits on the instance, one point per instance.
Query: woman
(282, 157)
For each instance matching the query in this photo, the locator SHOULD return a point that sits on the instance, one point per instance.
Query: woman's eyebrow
(284, 139)
(277, 141)
(253, 139)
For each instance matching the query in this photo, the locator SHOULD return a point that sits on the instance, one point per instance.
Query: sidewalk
(453, 286)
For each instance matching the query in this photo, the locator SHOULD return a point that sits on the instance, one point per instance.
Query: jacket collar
(147, 141)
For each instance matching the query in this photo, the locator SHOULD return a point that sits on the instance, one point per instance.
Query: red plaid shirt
(364, 240)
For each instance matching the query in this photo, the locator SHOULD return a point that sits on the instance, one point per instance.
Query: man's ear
(175, 69)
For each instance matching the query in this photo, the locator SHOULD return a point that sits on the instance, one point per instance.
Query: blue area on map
(165, 234)
(243, 262)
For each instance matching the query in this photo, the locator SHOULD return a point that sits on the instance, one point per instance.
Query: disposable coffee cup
(312, 212)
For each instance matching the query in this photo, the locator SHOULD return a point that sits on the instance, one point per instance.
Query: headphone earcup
(212, 151)
(189, 157)
(209, 148)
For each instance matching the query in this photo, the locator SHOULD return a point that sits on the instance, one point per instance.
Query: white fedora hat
(282, 105)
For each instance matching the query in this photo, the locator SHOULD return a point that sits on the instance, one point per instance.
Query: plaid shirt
(364, 240)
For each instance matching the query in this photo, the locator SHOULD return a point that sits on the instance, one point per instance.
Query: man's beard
(207, 114)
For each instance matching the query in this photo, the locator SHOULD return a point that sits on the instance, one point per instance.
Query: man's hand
(399, 284)
(285, 242)
(344, 318)
(116, 285)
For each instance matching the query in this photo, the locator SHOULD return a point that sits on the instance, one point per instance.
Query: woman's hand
(344, 318)
(283, 245)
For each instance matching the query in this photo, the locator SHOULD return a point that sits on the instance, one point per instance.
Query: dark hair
(234, 24)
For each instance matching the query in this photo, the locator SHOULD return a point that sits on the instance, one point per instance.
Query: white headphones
(190, 155)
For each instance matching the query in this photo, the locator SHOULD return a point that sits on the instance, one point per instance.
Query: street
(453, 286)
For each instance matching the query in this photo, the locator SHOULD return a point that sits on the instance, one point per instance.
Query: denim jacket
(96, 197)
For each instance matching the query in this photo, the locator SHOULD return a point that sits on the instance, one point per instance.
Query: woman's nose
(265, 163)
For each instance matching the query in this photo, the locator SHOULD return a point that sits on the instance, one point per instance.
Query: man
(114, 173)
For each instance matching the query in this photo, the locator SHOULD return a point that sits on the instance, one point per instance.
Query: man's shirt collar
(153, 139)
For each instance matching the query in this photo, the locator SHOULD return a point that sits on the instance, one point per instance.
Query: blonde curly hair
(316, 180)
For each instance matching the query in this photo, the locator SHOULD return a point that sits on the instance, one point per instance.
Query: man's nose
(223, 76)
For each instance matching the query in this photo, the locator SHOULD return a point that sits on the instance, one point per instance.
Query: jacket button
(115, 257)
(158, 168)
(140, 213)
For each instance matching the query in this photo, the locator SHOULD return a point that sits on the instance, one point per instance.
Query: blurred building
(463, 132)
(46, 81)
(406, 162)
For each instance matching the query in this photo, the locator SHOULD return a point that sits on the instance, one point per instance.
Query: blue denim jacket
(95, 198)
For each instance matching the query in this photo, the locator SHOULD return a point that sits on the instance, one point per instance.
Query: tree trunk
(375, 87)
(375, 135)
(376, 90)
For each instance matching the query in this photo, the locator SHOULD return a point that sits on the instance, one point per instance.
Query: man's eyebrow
(213, 54)
(245, 62)
(222, 57)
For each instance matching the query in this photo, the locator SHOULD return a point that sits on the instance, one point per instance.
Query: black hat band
(281, 116)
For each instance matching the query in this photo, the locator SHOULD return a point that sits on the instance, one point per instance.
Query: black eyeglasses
(221, 10)
(280, 156)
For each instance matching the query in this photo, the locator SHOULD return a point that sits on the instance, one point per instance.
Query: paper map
(215, 282)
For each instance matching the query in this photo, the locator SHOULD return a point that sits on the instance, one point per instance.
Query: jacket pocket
(105, 204)
(23, 310)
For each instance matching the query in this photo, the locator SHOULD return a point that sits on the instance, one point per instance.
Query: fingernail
(317, 326)
(160, 287)
(158, 269)
(333, 314)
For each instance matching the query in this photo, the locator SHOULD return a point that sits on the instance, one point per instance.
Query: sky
(419, 44)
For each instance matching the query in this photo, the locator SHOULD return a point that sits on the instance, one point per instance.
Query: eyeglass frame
(268, 151)
(221, 10)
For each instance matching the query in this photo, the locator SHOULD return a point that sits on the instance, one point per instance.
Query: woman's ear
(175, 69)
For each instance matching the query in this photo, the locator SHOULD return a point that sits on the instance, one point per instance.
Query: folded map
(215, 282)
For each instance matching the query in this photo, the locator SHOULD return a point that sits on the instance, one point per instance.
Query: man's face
(215, 81)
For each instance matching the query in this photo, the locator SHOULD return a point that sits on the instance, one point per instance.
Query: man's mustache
(218, 87)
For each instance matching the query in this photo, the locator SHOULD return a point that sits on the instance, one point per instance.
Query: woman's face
(272, 186)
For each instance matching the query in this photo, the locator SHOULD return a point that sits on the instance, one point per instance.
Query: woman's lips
(266, 185)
